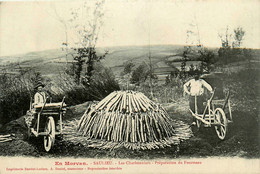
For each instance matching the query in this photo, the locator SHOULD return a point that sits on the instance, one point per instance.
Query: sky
(29, 26)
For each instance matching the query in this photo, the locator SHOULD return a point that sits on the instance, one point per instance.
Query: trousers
(200, 100)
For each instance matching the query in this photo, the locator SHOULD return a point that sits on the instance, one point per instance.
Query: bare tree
(224, 51)
(225, 38)
(193, 33)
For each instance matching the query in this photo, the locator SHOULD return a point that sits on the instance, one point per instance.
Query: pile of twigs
(128, 118)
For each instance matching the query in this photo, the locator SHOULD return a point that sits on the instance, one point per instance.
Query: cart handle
(39, 114)
(212, 96)
(209, 101)
(226, 100)
(43, 105)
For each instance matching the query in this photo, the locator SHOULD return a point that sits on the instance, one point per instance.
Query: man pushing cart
(195, 89)
(213, 113)
(45, 119)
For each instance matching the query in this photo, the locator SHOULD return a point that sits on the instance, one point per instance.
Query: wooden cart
(48, 122)
(217, 112)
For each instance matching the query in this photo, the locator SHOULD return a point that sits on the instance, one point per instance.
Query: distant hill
(51, 62)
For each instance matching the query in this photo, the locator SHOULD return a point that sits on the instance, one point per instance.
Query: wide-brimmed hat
(38, 84)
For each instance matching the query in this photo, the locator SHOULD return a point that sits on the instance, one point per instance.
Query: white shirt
(39, 98)
(196, 87)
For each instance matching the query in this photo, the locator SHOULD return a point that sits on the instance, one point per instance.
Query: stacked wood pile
(130, 119)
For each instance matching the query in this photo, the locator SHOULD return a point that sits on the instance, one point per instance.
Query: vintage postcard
(129, 86)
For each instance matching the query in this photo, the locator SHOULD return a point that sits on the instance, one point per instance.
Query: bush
(15, 97)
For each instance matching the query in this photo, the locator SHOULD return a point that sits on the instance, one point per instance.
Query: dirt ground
(243, 140)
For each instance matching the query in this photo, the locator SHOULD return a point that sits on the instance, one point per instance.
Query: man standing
(195, 87)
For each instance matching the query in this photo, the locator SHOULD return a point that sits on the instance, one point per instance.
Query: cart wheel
(48, 140)
(220, 117)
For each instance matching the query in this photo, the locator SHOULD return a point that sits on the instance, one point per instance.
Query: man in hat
(195, 87)
(40, 96)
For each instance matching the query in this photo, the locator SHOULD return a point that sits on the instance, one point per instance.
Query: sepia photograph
(129, 86)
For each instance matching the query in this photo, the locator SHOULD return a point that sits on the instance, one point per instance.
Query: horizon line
(141, 45)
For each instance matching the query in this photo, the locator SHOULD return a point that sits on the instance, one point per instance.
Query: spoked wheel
(48, 140)
(220, 118)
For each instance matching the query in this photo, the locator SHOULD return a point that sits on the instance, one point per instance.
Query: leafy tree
(140, 74)
(183, 65)
(207, 59)
(191, 70)
(79, 65)
(239, 34)
(187, 50)
(230, 53)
